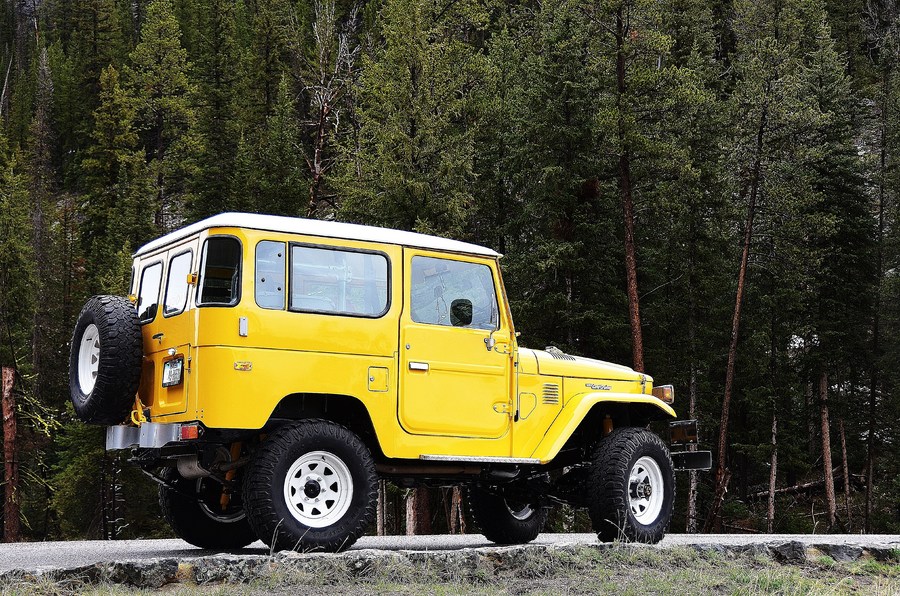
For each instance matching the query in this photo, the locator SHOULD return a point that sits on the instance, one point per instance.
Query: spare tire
(105, 360)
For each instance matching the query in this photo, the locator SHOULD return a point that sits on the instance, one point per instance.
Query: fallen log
(856, 480)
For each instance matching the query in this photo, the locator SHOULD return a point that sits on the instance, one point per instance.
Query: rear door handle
(418, 366)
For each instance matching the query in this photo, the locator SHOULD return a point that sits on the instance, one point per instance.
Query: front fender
(574, 412)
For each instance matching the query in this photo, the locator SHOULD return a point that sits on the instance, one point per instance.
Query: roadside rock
(790, 552)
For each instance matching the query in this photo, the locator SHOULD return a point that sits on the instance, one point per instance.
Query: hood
(554, 362)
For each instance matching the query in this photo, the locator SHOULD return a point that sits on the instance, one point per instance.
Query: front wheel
(506, 521)
(311, 486)
(632, 483)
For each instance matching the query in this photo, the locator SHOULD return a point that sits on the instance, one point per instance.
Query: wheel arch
(583, 416)
(346, 410)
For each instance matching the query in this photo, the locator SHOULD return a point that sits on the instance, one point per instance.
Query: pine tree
(413, 169)
(16, 261)
(280, 184)
(117, 210)
(217, 111)
(163, 91)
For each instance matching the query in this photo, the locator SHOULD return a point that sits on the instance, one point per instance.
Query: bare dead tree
(773, 475)
(846, 474)
(826, 450)
(326, 79)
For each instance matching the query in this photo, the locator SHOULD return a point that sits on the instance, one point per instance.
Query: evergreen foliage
(528, 127)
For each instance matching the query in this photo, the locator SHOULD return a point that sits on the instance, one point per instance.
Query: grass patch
(536, 571)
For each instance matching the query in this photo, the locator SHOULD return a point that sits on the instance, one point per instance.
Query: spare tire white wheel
(105, 360)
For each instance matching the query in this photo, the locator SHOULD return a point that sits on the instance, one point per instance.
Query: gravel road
(32, 556)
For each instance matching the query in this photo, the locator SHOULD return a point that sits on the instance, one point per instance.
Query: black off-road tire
(119, 368)
(608, 484)
(199, 520)
(499, 521)
(270, 514)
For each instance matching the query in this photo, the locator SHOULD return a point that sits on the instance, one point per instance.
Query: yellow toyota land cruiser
(267, 371)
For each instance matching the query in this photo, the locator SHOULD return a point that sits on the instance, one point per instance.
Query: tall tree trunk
(876, 327)
(381, 509)
(418, 512)
(846, 471)
(773, 475)
(41, 190)
(811, 416)
(827, 467)
(317, 166)
(457, 514)
(11, 463)
(753, 184)
(625, 189)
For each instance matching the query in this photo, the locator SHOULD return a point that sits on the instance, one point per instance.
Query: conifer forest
(705, 190)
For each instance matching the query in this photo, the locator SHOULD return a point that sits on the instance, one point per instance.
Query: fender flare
(577, 407)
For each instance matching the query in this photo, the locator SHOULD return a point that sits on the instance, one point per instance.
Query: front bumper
(148, 434)
(683, 435)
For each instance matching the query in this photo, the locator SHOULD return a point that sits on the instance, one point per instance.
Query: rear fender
(575, 411)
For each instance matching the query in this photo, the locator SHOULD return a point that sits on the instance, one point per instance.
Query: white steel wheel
(89, 359)
(519, 511)
(645, 490)
(318, 489)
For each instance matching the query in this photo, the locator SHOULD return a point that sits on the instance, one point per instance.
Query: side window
(269, 282)
(220, 272)
(176, 284)
(335, 281)
(148, 293)
(453, 293)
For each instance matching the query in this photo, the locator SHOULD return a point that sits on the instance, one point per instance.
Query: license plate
(172, 371)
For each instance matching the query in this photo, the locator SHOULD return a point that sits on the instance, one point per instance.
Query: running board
(481, 460)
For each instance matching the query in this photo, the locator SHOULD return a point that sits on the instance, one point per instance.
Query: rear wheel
(506, 521)
(193, 508)
(632, 483)
(311, 486)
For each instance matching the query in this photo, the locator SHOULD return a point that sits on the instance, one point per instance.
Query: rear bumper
(149, 434)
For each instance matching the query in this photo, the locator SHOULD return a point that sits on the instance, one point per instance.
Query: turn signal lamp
(190, 432)
(664, 393)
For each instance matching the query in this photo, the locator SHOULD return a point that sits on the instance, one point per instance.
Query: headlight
(664, 393)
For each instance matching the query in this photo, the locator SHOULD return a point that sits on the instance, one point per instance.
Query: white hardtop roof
(312, 227)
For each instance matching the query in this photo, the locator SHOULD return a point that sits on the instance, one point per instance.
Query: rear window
(177, 284)
(336, 281)
(148, 293)
(270, 260)
(220, 272)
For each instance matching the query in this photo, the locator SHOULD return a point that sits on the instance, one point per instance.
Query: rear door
(165, 306)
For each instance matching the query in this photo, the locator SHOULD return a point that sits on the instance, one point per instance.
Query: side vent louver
(551, 394)
(558, 354)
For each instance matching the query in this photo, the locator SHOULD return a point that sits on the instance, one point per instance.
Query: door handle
(418, 366)
(502, 407)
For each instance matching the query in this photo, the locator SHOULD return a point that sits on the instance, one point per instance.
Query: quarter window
(177, 284)
(453, 293)
(220, 281)
(148, 294)
(335, 281)
(270, 259)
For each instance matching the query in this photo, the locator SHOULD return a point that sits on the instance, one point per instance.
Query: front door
(455, 353)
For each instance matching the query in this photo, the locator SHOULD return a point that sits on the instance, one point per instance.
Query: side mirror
(461, 312)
